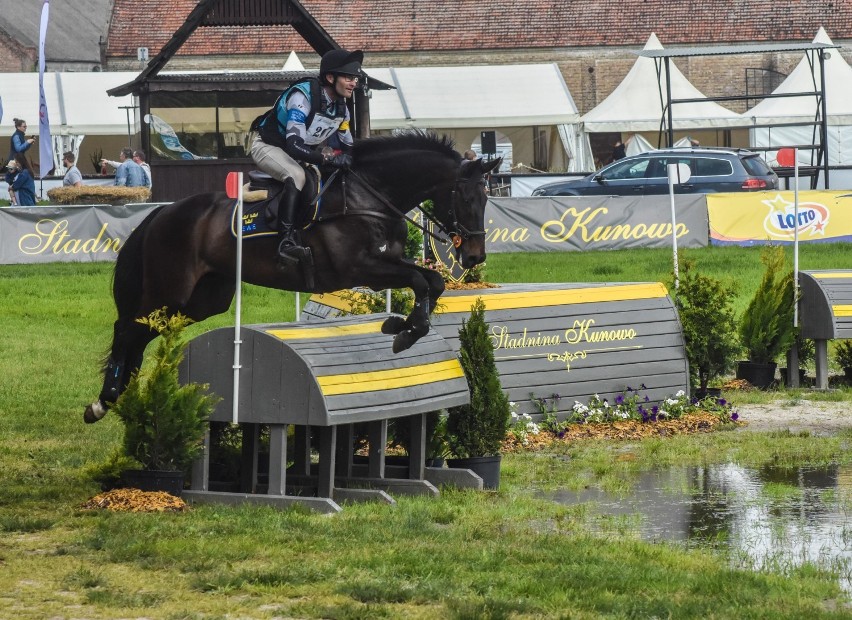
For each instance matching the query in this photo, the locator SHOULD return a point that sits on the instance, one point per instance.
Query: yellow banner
(747, 217)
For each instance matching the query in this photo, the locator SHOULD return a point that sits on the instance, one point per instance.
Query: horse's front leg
(416, 323)
(404, 275)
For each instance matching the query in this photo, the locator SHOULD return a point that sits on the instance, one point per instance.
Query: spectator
(618, 151)
(72, 178)
(22, 185)
(128, 172)
(20, 142)
(470, 155)
(139, 158)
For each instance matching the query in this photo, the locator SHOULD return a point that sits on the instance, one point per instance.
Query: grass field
(508, 554)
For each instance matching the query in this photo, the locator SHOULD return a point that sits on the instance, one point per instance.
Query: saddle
(262, 194)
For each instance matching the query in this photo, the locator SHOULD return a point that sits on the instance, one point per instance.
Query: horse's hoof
(94, 412)
(403, 341)
(393, 325)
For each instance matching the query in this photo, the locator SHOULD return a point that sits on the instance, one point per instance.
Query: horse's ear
(492, 165)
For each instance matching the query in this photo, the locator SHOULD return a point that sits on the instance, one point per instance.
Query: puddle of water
(766, 518)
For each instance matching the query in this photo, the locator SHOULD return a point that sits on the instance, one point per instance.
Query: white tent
(77, 102)
(838, 100)
(478, 97)
(637, 102)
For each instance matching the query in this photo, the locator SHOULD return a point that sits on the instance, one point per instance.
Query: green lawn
(508, 554)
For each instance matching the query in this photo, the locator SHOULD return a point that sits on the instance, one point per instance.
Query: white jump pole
(796, 237)
(239, 301)
(677, 173)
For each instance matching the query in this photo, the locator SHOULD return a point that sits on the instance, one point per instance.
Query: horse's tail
(127, 276)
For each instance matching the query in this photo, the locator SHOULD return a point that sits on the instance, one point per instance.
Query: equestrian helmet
(342, 62)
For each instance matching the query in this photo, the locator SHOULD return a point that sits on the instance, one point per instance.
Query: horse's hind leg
(128, 344)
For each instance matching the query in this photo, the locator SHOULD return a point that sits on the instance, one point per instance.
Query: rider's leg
(288, 248)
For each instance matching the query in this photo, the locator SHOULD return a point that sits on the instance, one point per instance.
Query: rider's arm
(344, 135)
(296, 110)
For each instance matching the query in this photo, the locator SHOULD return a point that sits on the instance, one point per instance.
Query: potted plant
(164, 421)
(766, 327)
(704, 305)
(476, 431)
(843, 357)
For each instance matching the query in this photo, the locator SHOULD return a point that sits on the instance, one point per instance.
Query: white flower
(680, 393)
(527, 416)
(671, 401)
(514, 416)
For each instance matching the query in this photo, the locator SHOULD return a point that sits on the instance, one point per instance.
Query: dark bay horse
(183, 255)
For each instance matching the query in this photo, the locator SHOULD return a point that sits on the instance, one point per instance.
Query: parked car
(713, 170)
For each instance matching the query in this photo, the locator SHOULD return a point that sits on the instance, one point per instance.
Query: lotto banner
(769, 217)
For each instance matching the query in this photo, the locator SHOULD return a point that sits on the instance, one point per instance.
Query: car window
(711, 167)
(627, 169)
(756, 166)
(659, 165)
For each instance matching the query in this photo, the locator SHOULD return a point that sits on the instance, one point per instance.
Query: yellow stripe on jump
(378, 380)
(312, 333)
(336, 301)
(559, 297)
(842, 310)
(832, 275)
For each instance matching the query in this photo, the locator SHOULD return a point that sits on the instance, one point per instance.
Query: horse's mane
(412, 139)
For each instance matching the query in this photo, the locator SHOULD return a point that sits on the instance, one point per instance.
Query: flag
(45, 144)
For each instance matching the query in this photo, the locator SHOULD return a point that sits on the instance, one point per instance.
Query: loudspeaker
(488, 140)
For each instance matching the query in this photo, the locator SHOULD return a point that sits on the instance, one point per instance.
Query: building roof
(74, 29)
(447, 25)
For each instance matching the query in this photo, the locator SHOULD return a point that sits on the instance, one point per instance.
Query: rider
(303, 120)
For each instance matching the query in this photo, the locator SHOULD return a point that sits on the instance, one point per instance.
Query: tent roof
(77, 102)
(636, 103)
(473, 96)
(838, 92)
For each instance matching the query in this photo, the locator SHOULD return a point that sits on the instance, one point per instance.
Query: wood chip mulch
(134, 500)
(627, 430)
(468, 286)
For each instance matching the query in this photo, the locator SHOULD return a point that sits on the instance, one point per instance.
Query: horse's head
(463, 213)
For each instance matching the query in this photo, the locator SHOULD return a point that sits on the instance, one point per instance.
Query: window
(707, 167)
(756, 166)
(626, 169)
(659, 165)
(199, 125)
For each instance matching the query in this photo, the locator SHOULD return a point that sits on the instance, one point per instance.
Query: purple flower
(655, 409)
(629, 389)
(721, 402)
(653, 417)
(693, 401)
(735, 416)
(619, 400)
(643, 387)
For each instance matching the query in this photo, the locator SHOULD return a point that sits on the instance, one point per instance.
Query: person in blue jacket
(22, 184)
(20, 142)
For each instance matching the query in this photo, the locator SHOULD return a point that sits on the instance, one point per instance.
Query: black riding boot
(289, 251)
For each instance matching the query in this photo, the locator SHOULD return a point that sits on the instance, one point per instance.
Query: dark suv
(713, 170)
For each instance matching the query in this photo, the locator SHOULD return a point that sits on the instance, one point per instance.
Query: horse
(182, 256)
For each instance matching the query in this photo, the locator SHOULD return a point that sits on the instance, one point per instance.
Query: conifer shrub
(479, 428)
(705, 307)
(766, 327)
(164, 421)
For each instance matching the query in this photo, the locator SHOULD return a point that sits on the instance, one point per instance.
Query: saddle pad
(259, 221)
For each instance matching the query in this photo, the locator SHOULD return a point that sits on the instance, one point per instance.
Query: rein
(463, 233)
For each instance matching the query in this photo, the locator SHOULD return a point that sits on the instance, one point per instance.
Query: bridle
(457, 232)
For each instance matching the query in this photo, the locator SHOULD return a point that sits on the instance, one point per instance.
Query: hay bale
(99, 195)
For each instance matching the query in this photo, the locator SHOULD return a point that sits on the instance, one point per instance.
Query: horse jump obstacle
(573, 340)
(324, 378)
(825, 310)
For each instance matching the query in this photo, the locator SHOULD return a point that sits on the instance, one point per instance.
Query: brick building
(593, 41)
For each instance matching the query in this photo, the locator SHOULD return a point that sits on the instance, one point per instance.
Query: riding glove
(341, 160)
